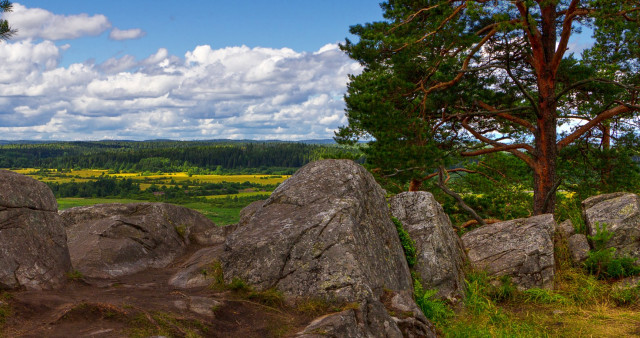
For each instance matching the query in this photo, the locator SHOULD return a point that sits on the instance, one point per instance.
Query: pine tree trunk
(546, 151)
(415, 185)
(544, 184)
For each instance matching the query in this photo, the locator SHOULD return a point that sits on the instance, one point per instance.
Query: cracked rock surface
(440, 257)
(621, 214)
(520, 248)
(33, 243)
(111, 240)
(326, 233)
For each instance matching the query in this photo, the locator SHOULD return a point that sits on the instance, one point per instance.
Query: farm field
(221, 208)
(178, 178)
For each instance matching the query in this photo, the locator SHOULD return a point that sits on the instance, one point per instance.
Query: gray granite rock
(326, 233)
(440, 257)
(33, 243)
(578, 247)
(566, 229)
(621, 214)
(520, 248)
(197, 271)
(373, 318)
(110, 240)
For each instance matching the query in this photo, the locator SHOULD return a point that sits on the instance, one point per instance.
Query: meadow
(222, 209)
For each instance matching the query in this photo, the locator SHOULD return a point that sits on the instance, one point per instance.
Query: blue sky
(92, 70)
(304, 26)
(148, 69)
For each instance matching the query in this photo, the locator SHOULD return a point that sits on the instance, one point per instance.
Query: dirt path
(143, 305)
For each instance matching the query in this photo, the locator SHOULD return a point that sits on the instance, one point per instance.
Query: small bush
(434, 309)
(603, 262)
(408, 244)
(602, 236)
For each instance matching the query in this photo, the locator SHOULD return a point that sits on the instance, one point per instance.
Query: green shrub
(602, 236)
(603, 262)
(408, 244)
(436, 310)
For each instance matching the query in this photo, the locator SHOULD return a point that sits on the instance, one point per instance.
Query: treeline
(167, 156)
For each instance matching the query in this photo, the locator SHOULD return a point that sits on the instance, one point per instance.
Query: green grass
(71, 202)
(219, 215)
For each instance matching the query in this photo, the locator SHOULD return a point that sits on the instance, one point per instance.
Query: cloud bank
(233, 92)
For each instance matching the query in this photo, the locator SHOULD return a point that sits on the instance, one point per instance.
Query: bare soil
(143, 305)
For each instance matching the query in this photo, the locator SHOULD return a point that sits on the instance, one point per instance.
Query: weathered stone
(33, 243)
(198, 271)
(566, 229)
(621, 214)
(440, 255)
(578, 247)
(372, 319)
(246, 214)
(520, 248)
(627, 283)
(110, 240)
(338, 325)
(206, 233)
(593, 200)
(203, 306)
(20, 191)
(324, 233)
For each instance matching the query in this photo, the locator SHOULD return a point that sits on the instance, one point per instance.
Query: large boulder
(326, 233)
(110, 240)
(33, 243)
(621, 214)
(440, 257)
(520, 248)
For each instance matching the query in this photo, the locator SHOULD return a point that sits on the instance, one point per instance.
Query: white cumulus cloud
(127, 34)
(40, 23)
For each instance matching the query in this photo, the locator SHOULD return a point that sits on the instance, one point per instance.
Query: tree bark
(415, 185)
(546, 151)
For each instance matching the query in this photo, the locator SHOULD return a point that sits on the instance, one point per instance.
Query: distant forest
(197, 157)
